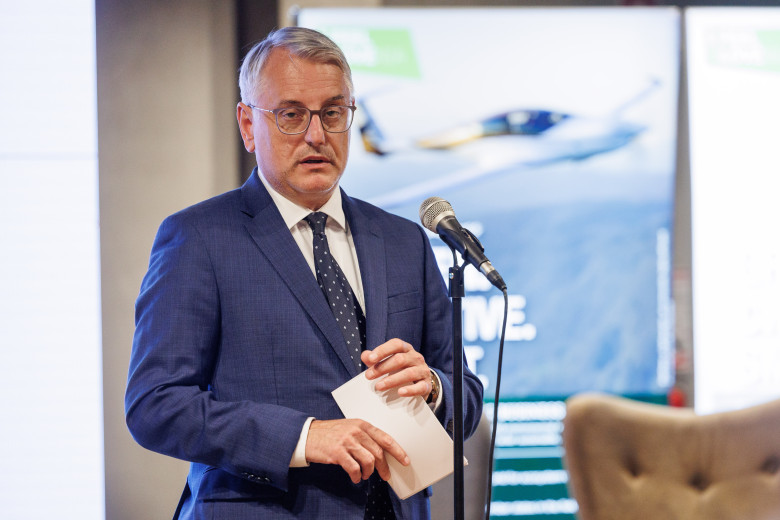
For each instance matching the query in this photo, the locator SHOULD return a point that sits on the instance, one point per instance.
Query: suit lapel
(269, 232)
(370, 247)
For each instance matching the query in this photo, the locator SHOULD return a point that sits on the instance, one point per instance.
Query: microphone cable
(495, 408)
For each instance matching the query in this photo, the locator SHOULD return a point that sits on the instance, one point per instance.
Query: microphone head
(432, 210)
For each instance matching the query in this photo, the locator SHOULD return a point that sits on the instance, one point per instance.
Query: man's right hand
(353, 444)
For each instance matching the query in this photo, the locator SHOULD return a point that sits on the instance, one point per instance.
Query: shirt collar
(292, 213)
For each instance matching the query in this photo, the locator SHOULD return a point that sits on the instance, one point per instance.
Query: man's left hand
(406, 368)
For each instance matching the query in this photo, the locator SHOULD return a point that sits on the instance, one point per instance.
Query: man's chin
(317, 186)
(323, 176)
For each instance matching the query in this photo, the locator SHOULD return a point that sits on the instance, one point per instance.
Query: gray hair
(299, 41)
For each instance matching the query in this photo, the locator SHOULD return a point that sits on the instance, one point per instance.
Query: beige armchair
(634, 461)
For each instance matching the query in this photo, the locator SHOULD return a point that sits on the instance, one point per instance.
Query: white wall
(50, 412)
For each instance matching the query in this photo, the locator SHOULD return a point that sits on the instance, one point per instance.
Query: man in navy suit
(236, 349)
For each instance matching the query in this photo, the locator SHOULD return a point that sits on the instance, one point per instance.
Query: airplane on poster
(516, 139)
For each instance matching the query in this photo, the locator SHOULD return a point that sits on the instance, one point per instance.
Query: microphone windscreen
(432, 210)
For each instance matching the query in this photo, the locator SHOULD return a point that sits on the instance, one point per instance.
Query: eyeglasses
(335, 119)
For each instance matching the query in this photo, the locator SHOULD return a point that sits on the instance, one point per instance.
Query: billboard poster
(733, 81)
(552, 132)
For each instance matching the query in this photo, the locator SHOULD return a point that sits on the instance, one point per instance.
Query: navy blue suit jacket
(235, 346)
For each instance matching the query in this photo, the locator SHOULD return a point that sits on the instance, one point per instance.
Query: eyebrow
(340, 97)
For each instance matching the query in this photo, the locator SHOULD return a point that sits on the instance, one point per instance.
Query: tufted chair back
(632, 460)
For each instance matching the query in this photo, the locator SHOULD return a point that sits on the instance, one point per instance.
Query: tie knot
(316, 221)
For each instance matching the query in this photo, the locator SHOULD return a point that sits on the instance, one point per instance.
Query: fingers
(389, 446)
(414, 380)
(422, 388)
(357, 446)
(362, 462)
(388, 348)
(404, 367)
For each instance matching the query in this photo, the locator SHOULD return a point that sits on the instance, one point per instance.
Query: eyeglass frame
(276, 111)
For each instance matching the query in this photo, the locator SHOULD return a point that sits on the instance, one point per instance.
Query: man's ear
(244, 117)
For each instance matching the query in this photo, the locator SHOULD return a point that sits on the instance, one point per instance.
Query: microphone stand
(457, 292)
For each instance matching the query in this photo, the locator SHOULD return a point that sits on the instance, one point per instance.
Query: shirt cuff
(299, 455)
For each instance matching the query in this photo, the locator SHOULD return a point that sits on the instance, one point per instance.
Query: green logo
(379, 51)
(757, 49)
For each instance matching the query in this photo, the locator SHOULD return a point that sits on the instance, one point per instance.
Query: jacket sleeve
(169, 403)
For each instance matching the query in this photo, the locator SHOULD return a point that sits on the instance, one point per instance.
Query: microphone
(438, 216)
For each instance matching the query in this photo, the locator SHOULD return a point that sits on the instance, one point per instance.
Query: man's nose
(315, 134)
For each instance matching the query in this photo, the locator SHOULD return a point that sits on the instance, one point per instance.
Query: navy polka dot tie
(339, 294)
(379, 506)
(350, 318)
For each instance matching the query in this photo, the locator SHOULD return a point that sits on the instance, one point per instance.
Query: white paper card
(410, 421)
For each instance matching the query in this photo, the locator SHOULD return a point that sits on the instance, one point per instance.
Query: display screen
(552, 132)
(734, 81)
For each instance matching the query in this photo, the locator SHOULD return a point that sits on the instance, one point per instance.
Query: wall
(167, 139)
